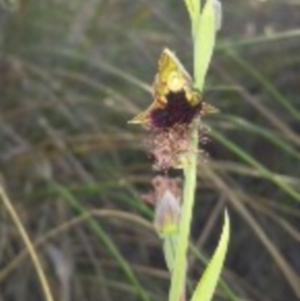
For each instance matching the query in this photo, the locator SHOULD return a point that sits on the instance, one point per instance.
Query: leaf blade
(208, 282)
(204, 42)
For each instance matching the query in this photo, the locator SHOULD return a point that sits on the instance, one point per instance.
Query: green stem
(203, 34)
(190, 175)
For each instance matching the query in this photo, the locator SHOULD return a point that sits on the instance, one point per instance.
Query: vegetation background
(71, 74)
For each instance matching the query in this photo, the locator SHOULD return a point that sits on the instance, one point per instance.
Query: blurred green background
(71, 74)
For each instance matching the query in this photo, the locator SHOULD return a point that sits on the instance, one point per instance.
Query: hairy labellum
(178, 110)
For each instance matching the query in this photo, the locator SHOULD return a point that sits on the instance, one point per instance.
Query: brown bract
(161, 184)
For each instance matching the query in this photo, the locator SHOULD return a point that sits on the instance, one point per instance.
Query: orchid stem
(180, 267)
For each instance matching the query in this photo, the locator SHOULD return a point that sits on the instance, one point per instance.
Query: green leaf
(193, 7)
(207, 284)
(204, 42)
(189, 6)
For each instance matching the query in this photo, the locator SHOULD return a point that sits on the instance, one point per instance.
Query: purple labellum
(177, 111)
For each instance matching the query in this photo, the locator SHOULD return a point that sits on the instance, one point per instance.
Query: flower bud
(167, 214)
